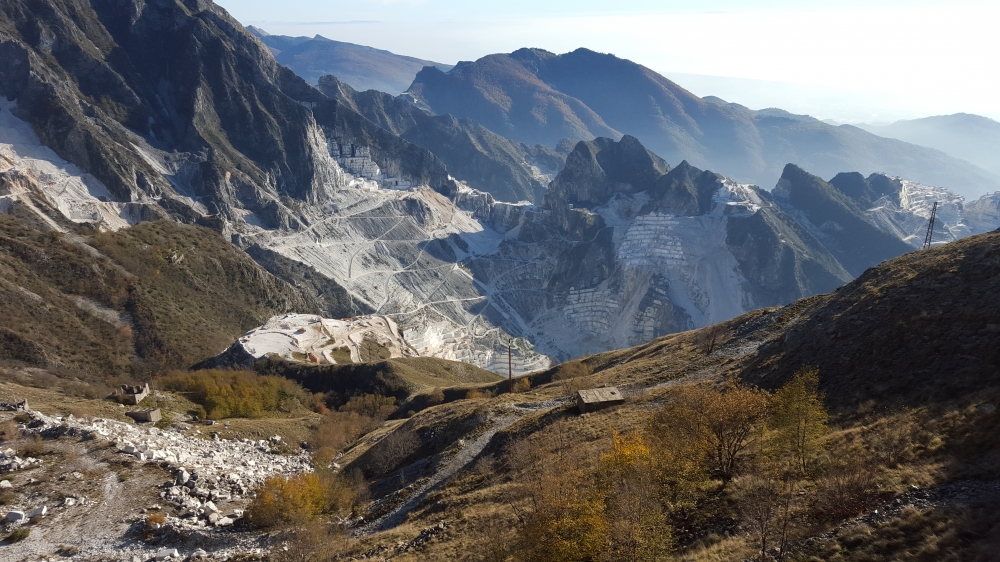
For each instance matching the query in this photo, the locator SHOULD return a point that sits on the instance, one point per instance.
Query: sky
(847, 60)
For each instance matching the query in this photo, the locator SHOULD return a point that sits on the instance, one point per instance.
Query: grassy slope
(126, 304)
(407, 379)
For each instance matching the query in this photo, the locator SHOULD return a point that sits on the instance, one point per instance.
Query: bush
(337, 430)
(522, 385)
(31, 446)
(478, 395)
(281, 501)
(299, 500)
(237, 394)
(19, 535)
(156, 518)
(436, 397)
(374, 406)
(8, 431)
(394, 449)
(571, 370)
(848, 488)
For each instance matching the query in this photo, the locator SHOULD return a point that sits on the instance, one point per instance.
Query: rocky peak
(866, 191)
(685, 190)
(596, 170)
(836, 220)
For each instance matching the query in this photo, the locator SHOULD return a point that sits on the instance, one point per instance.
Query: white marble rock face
(458, 277)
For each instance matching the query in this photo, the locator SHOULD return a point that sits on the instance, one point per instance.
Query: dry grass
(966, 534)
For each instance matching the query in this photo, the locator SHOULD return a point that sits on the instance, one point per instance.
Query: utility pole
(510, 369)
(930, 227)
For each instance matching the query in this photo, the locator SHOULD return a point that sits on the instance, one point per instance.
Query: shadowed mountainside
(155, 296)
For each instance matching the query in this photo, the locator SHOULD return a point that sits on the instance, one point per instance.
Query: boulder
(14, 516)
(38, 512)
(167, 553)
(5, 484)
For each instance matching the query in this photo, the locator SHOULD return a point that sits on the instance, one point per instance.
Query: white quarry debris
(166, 554)
(305, 337)
(956, 218)
(10, 462)
(206, 471)
(412, 267)
(399, 252)
(77, 195)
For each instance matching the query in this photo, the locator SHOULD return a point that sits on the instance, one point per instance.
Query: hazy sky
(850, 60)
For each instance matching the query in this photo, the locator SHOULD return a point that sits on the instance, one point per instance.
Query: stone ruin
(21, 406)
(133, 394)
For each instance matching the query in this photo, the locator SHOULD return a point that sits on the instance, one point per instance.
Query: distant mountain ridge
(364, 68)
(509, 170)
(535, 96)
(973, 138)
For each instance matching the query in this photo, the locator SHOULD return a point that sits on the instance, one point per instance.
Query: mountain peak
(531, 54)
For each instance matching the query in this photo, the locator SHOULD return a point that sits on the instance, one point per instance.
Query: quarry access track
(458, 461)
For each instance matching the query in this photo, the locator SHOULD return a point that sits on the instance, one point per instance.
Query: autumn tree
(798, 420)
(556, 501)
(297, 500)
(725, 418)
(566, 521)
(635, 518)
(679, 449)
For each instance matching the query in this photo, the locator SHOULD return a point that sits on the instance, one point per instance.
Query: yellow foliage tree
(300, 499)
(726, 419)
(799, 419)
(566, 523)
(287, 501)
(679, 453)
(635, 518)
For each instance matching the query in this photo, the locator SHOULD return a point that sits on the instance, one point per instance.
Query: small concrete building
(145, 415)
(595, 399)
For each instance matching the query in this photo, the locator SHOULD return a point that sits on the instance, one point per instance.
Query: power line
(930, 227)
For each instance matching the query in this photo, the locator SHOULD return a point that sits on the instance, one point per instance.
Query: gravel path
(460, 460)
